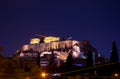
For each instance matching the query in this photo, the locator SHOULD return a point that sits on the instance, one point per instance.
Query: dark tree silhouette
(114, 53)
(86, 46)
(1, 56)
(38, 58)
(27, 68)
(1, 49)
(89, 60)
(31, 51)
(69, 60)
(52, 60)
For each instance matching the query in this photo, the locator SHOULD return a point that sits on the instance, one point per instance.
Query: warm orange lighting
(43, 74)
(51, 39)
(34, 41)
(27, 77)
(116, 74)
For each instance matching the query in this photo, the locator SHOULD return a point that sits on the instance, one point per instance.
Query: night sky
(95, 20)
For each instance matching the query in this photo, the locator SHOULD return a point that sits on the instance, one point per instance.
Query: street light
(43, 75)
(27, 77)
(116, 74)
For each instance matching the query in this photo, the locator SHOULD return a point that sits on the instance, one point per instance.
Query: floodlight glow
(43, 74)
(116, 74)
(51, 39)
(34, 41)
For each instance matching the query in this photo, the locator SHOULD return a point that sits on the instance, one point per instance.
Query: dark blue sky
(94, 20)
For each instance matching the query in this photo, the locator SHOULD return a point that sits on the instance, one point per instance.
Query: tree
(31, 51)
(27, 68)
(52, 62)
(38, 58)
(114, 53)
(69, 60)
(89, 60)
(86, 46)
(1, 49)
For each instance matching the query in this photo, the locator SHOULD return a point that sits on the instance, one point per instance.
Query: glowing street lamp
(116, 74)
(27, 77)
(43, 74)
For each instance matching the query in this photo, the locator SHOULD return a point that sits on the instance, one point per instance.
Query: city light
(27, 77)
(116, 74)
(34, 41)
(51, 39)
(43, 74)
